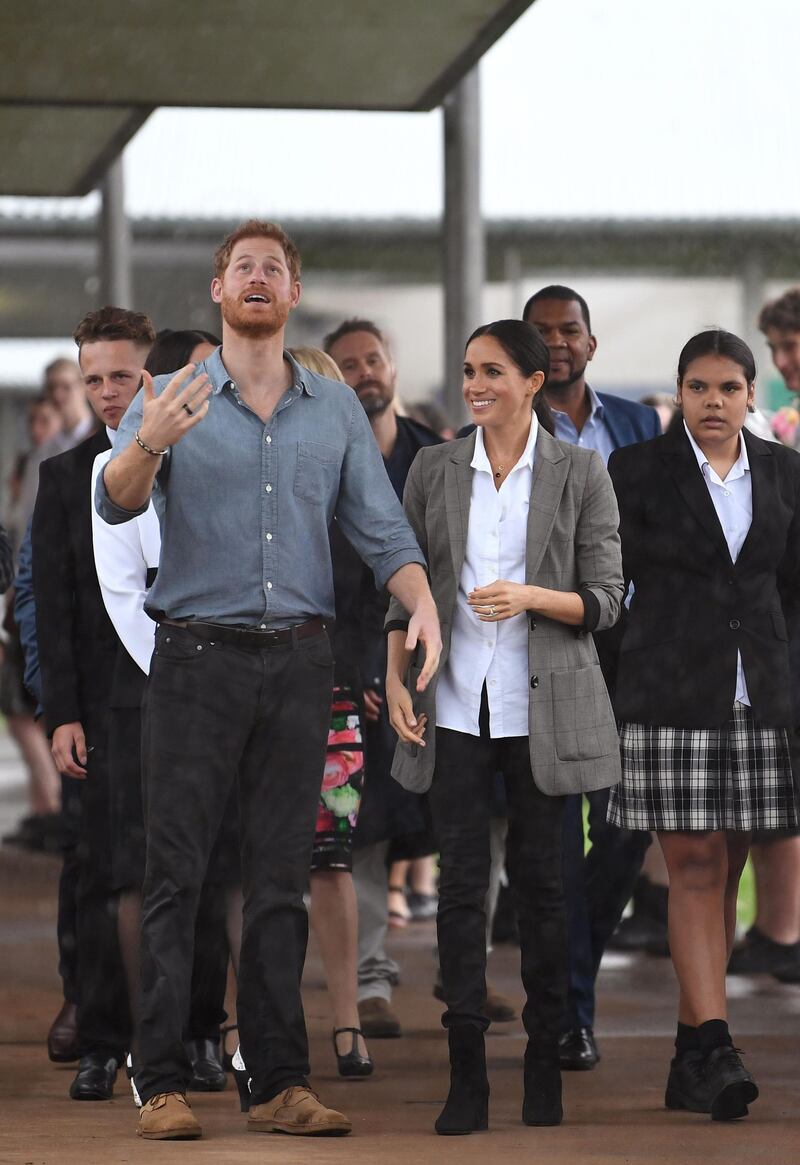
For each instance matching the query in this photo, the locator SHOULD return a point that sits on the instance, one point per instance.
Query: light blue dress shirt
(593, 435)
(245, 505)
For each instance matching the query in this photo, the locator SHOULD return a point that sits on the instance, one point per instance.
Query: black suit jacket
(77, 643)
(694, 608)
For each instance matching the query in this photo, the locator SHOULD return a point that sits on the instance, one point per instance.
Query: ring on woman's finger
(186, 409)
(493, 610)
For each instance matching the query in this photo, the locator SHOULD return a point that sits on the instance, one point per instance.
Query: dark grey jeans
(213, 712)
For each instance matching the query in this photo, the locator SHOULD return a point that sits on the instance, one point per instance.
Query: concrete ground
(614, 1115)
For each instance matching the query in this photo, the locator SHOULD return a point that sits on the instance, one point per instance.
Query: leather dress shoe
(730, 1085)
(376, 1019)
(687, 1087)
(577, 1050)
(62, 1039)
(95, 1080)
(208, 1075)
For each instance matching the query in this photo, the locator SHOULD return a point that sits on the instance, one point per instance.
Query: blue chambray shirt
(245, 506)
(593, 435)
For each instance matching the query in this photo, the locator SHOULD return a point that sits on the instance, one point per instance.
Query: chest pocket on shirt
(317, 474)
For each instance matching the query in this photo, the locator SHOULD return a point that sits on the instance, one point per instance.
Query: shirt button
(727, 493)
(269, 586)
(269, 489)
(534, 681)
(263, 626)
(734, 624)
(268, 537)
(268, 440)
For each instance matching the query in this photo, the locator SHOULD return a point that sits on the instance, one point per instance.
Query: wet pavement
(614, 1114)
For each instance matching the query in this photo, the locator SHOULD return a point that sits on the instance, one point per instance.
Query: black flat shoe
(577, 1050)
(730, 1085)
(208, 1075)
(687, 1088)
(352, 1064)
(95, 1080)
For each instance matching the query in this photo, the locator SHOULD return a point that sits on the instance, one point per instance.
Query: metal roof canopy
(78, 79)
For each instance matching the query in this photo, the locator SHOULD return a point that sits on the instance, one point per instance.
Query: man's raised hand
(170, 415)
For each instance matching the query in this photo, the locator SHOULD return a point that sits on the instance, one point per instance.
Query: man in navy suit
(598, 885)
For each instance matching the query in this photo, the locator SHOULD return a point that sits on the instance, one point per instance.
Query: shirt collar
(739, 468)
(480, 459)
(219, 376)
(596, 407)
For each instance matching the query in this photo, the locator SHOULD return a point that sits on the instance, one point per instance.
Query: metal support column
(464, 259)
(115, 241)
(752, 285)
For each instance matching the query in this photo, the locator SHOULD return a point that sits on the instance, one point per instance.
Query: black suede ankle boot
(542, 1103)
(467, 1107)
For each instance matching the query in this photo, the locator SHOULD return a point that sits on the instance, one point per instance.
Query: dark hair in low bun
(524, 346)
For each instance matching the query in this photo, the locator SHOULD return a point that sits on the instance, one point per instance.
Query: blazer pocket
(583, 722)
(316, 476)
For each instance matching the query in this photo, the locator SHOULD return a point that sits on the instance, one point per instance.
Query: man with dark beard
(248, 458)
(596, 886)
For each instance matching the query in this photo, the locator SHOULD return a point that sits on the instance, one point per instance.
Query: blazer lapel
(457, 496)
(687, 475)
(550, 470)
(763, 485)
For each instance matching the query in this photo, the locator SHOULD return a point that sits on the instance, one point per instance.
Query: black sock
(713, 1034)
(686, 1039)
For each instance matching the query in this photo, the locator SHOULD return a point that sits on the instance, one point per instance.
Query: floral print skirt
(342, 785)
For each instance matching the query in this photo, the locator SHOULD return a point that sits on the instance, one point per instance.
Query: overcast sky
(590, 108)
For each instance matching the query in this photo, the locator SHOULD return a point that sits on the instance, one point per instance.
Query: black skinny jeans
(212, 711)
(460, 800)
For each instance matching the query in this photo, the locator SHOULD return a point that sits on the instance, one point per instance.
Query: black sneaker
(758, 954)
(730, 1085)
(687, 1088)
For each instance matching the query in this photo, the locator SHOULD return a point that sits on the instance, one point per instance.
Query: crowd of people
(275, 646)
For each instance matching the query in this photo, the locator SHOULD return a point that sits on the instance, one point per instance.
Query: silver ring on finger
(493, 610)
(186, 409)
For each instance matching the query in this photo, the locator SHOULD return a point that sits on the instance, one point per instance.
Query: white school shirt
(733, 502)
(494, 653)
(122, 556)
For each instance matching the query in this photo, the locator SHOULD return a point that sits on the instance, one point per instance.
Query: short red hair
(257, 228)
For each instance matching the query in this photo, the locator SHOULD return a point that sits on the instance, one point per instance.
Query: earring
(751, 408)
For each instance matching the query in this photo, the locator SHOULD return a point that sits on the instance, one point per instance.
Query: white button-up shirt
(733, 502)
(492, 653)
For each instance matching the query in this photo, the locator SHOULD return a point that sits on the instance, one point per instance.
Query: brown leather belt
(248, 636)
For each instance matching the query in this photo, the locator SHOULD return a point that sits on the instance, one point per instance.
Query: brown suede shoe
(498, 1008)
(168, 1117)
(377, 1020)
(299, 1111)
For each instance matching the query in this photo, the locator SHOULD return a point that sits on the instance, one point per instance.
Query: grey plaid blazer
(573, 544)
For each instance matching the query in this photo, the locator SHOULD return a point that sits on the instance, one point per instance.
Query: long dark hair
(717, 342)
(525, 348)
(172, 350)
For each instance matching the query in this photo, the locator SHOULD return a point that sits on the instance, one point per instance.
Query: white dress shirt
(733, 502)
(122, 556)
(494, 653)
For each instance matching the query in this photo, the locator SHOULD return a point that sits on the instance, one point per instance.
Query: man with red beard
(248, 458)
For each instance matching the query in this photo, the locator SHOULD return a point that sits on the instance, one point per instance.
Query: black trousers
(597, 888)
(461, 800)
(212, 712)
(103, 1016)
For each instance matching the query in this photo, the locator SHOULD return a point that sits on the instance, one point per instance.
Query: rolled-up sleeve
(108, 510)
(367, 509)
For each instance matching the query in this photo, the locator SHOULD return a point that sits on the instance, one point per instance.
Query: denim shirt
(245, 505)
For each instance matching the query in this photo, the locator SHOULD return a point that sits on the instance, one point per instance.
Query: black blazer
(694, 608)
(77, 642)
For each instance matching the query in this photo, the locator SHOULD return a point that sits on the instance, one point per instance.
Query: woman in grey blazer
(520, 534)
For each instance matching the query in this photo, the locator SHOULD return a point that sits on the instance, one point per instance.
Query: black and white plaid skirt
(738, 776)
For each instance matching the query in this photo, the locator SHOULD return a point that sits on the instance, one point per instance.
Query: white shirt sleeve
(122, 555)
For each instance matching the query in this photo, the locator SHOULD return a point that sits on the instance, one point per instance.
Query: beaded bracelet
(147, 449)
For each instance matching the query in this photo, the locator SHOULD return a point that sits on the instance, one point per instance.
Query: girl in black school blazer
(710, 527)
